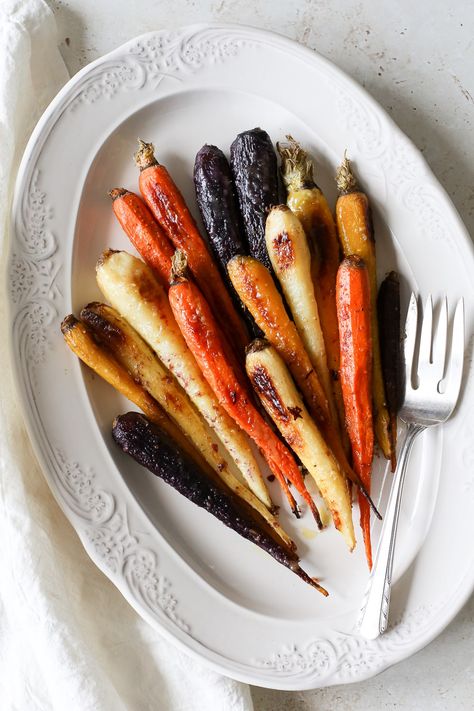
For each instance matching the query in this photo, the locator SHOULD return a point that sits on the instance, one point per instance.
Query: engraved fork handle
(373, 618)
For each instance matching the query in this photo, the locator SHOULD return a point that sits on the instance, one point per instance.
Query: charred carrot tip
(258, 344)
(105, 256)
(365, 493)
(316, 515)
(117, 193)
(68, 323)
(393, 442)
(319, 587)
(311, 581)
(295, 510)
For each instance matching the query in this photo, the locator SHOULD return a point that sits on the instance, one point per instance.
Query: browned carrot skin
(168, 206)
(81, 340)
(354, 319)
(257, 290)
(144, 232)
(202, 336)
(309, 204)
(388, 306)
(355, 228)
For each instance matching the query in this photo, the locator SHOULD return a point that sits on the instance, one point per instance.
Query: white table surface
(417, 60)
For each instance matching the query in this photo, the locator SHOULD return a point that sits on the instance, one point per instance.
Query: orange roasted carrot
(201, 333)
(168, 206)
(144, 232)
(356, 233)
(257, 291)
(354, 320)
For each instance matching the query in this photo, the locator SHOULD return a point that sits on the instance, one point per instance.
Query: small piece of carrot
(201, 333)
(143, 232)
(354, 320)
(169, 207)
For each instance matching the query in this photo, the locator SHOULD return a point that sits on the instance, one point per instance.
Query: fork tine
(410, 339)
(456, 361)
(439, 341)
(424, 358)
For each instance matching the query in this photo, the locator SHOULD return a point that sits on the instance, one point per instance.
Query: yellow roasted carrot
(133, 290)
(80, 339)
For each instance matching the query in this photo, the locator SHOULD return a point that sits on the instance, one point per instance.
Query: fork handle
(373, 618)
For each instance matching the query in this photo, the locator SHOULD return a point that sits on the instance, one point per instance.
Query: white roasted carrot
(133, 290)
(82, 340)
(290, 256)
(280, 398)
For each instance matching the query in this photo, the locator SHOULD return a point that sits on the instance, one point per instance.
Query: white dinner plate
(198, 583)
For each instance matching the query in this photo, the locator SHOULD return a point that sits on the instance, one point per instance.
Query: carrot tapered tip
(311, 581)
(316, 514)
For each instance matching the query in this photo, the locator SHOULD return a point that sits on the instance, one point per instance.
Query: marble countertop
(417, 61)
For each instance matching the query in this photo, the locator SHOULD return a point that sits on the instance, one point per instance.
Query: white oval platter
(211, 593)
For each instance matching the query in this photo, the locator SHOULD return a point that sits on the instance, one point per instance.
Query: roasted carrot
(258, 292)
(201, 333)
(144, 232)
(354, 319)
(309, 204)
(354, 224)
(280, 398)
(168, 206)
(133, 290)
(150, 447)
(80, 339)
(388, 308)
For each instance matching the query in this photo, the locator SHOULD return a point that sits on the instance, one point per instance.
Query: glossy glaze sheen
(145, 234)
(354, 318)
(356, 232)
(169, 207)
(254, 167)
(217, 202)
(388, 306)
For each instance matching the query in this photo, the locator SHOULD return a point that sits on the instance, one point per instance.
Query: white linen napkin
(68, 640)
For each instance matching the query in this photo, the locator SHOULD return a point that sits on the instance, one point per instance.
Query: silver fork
(425, 404)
